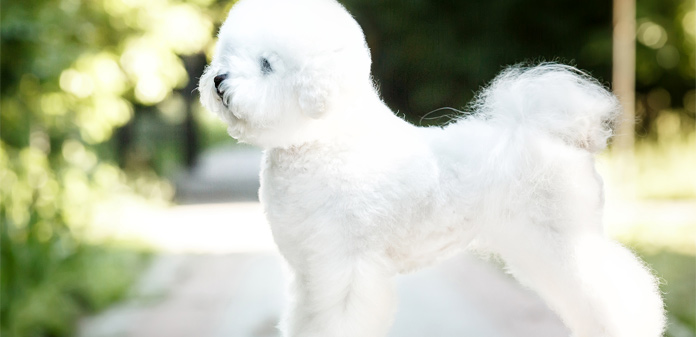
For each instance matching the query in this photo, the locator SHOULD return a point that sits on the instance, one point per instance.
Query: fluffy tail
(557, 99)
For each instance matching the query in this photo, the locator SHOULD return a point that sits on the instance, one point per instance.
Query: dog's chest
(299, 182)
(321, 196)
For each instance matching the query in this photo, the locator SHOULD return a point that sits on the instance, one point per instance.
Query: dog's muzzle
(218, 80)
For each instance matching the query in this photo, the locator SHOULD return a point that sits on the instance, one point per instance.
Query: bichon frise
(355, 195)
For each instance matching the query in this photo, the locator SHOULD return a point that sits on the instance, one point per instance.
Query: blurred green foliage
(665, 61)
(433, 54)
(662, 173)
(665, 167)
(75, 73)
(49, 275)
(677, 273)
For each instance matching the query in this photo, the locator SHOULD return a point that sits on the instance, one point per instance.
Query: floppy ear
(314, 91)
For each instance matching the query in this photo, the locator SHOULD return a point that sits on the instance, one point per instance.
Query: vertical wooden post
(624, 72)
(624, 85)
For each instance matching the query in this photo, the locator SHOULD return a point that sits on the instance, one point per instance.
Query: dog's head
(281, 67)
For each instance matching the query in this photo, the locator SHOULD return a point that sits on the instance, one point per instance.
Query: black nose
(218, 79)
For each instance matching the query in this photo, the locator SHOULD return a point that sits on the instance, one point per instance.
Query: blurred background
(115, 183)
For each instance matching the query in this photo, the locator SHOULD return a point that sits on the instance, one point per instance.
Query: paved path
(222, 174)
(219, 275)
(243, 294)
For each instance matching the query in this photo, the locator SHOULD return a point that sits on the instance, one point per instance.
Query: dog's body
(355, 195)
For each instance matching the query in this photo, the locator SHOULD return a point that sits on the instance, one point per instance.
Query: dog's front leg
(351, 296)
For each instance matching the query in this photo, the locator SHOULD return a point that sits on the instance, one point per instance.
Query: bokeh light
(652, 35)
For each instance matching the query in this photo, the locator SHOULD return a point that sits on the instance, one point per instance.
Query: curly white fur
(355, 195)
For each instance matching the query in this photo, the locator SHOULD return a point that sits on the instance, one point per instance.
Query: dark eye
(266, 66)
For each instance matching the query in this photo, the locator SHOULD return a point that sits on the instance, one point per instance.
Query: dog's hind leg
(340, 298)
(597, 287)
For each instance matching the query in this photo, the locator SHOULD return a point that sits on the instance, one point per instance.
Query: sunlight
(150, 90)
(155, 71)
(76, 83)
(54, 104)
(206, 228)
(184, 29)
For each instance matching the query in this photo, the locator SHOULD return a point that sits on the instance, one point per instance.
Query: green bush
(50, 276)
(74, 73)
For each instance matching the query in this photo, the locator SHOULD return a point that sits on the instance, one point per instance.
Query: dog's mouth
(221, 98)
(220, 88)
(226, 103)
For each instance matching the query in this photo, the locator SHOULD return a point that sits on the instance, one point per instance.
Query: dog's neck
(351, 122)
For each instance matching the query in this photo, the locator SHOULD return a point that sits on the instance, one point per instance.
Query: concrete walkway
(218, 273)
(230, 295)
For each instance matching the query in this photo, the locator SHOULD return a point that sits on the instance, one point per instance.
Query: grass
(677, 273)
(51, 275)
(659, 183)
(88, 281)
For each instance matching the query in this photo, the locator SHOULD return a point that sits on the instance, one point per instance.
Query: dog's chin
(223, 109)
(242, 132)
(248, 131)
(233, 114)
(237, 126)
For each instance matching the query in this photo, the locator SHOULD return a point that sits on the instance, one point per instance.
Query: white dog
(355, 195)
